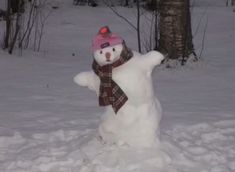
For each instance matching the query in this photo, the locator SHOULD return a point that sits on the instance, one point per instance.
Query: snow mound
(113, 158)
(210, 145)
(7, 141)
(200, 147)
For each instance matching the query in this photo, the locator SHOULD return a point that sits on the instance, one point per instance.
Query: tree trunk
(155, 6)
(8, 25)
(175, 29)
(13, 23)
(138, 25)
(17, 29)
(126, 3)
(232, 2)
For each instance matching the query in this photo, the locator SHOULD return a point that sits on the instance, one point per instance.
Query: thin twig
(17, 29)
(203, 39)
(119, 15)
(29, 23)
(199, 23)
(42, 21)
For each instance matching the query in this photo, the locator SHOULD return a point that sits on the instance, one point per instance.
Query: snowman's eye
(114, 49)
(101, 52)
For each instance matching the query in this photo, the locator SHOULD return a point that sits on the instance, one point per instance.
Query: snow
(49, 124)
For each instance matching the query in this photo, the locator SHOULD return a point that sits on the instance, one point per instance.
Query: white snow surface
(49, 124)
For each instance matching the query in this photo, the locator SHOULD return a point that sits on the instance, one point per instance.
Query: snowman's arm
(151, 59)
(88, 79)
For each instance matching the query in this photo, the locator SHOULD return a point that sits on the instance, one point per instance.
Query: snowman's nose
(107, 55)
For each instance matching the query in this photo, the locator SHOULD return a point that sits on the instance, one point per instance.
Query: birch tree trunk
(175, 29)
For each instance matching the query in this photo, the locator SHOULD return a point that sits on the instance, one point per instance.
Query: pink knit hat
(105, 38)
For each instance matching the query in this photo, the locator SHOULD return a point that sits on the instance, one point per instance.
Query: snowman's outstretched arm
(151, 59)
(88, 79)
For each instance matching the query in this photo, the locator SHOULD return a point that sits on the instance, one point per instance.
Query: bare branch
(203, 39)
(199, 23)
(119, 15)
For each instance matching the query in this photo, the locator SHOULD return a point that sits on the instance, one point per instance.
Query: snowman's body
(137, 122)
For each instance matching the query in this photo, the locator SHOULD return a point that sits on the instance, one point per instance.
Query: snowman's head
(107, 47)
(108, 55)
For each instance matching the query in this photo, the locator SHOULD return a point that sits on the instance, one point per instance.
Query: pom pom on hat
(105, 38)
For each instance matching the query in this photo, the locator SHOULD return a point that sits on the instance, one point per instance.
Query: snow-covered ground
(49, 124)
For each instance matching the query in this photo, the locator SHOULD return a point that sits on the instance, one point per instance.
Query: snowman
(122, 81)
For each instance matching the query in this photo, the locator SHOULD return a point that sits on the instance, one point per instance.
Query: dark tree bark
(14, 6)
(126, 3)
(232, 2)
(155, 6)
(138, 25)
(175, 29)
(8, 25)
(14, 10)
(17, 29)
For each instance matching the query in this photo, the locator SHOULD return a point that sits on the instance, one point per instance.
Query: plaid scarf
(110, 93)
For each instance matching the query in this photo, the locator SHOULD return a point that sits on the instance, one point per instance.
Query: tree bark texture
(8, 25)
(13, 15)
(175, 29)
(232, 2)
(138, 25)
